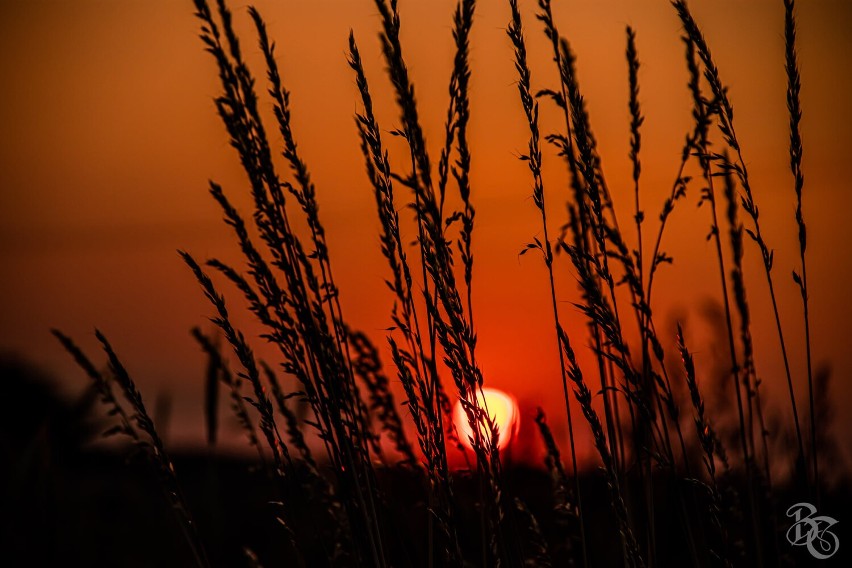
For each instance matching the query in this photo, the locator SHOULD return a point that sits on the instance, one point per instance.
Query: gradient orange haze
(110, 135)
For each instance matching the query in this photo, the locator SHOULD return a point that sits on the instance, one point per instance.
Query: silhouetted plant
(328, 469)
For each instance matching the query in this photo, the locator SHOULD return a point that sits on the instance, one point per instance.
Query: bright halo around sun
(502, 408)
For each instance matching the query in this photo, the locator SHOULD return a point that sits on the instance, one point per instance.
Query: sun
(502, 408)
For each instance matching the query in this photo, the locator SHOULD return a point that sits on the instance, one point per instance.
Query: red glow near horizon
(501, 407)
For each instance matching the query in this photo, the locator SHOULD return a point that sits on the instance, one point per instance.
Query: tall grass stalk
(544, 246)
(705, 109)
(702, 108)
(565, 145)
(750, 380)
(794, 105)
(597, 275)
(415, 361)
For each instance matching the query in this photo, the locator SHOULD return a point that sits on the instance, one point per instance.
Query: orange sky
(110, 135)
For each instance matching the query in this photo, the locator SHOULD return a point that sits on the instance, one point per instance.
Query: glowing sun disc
(502, 408)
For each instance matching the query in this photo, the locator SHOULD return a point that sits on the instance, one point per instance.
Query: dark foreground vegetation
(679, 483)
(67, 501)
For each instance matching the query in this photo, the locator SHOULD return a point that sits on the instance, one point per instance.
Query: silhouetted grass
(340, 496)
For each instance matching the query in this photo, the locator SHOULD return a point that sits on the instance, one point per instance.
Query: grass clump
(328, 471)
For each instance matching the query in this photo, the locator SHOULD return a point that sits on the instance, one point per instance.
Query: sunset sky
(110, 135)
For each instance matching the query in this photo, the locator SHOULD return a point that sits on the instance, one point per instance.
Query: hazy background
(110, 135)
